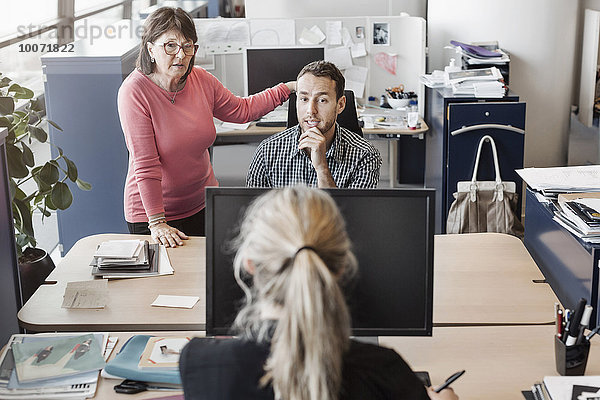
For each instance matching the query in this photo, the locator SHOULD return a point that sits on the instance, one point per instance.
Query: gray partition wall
(10, 298)
(81, 97)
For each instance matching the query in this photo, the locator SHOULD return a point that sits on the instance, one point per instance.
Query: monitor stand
(366, 339)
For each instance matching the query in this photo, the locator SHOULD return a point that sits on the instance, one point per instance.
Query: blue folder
(125, 364)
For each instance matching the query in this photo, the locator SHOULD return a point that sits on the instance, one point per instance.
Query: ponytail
(311, 335)
(296, 242)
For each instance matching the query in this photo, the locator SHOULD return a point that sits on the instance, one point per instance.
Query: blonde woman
(293, 332)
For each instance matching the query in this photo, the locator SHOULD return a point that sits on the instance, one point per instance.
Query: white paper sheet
(333, 31)
(223, 35)
(86, 294)
(232, 125)
(164, 300)
(355, 79)
(340, 56)
(311, 36)
(346, 37)
(358, 50)
(273, 32)
(563, 178)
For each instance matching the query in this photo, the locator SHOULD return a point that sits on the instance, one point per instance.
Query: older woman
(166, 107)
(293, 332)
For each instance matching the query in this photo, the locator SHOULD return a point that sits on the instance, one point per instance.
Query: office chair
(347, 118)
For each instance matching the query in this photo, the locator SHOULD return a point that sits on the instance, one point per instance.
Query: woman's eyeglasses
(172, 48)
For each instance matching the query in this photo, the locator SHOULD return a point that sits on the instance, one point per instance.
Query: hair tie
(304, 248)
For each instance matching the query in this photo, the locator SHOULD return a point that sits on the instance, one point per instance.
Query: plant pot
(34, 267)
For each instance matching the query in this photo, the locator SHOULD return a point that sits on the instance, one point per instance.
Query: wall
(333, 8)
(541, 37)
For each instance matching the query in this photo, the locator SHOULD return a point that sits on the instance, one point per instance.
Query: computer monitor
(392, 234)
(265, 67)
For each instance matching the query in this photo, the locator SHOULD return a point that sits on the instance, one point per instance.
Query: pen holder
(571, 360)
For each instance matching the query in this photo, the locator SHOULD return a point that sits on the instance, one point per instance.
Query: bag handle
(499, 185)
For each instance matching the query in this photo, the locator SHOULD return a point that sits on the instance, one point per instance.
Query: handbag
(485, 206)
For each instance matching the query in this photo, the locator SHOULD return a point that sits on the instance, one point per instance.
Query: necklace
(173, 99)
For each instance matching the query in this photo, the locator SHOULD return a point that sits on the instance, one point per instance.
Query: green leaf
(6, 122)
(16, 165)
(83, 185)
(48, 202)
(7, 105)
(44, 211)
(71, 169)
(4, 82)
(54, 125)
(20, 92)
(61, 196)
(27, 155)
(38, 133)
(49, 173)
(60, 151)
(25, 214)
(12, 188)
(19, 194)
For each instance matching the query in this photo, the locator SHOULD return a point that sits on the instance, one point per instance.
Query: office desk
(478, 279)
(255, 134)
(487, 278)
(500, 361)
(129, 300)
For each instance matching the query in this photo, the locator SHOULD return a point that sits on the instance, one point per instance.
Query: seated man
(317, 151)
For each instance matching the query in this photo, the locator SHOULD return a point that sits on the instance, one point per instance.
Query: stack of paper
(130, 259)
(477, 54)
(57, 366)
(494, 89)
(580, 214)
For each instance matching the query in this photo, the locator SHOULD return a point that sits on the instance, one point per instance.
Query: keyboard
(272, 123)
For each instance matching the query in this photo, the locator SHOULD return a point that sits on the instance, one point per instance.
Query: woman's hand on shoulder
(291, 85)
(167, 235)
(446, 394)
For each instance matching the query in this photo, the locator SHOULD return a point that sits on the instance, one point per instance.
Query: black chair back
(347, 118)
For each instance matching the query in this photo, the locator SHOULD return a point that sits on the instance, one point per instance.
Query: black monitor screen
(392, 235)
(266, 67)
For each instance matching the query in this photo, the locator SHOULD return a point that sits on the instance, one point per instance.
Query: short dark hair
(329, 70)
(160, 21)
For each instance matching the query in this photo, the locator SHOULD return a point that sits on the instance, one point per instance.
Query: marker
(585, 322)
(449, 381)
(574, 323)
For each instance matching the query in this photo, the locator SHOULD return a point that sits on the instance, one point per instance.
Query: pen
(559, 323)
(449, 381)
(566, 322)
(592, 333)
(574, 323)
(585, 321)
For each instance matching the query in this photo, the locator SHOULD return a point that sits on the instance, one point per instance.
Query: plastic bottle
(452, 67)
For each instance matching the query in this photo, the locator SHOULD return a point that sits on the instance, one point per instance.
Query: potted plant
(50, 192)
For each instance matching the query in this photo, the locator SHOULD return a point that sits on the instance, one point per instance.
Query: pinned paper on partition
(272, 32)
(333, 30)
(387, 61)
(347, 38)
(340, 56)
(358, 50)
(311, 36)
(223, 36)
(356, 77)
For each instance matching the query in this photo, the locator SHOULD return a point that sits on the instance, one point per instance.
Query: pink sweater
(169, 164)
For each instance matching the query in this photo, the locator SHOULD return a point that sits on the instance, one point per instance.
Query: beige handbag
(485, 206)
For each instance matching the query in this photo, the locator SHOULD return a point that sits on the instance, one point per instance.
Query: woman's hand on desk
(167, 235)
(446, 394)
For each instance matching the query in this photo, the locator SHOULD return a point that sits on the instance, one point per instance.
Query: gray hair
(313, 324)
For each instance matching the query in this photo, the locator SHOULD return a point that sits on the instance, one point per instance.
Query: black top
(231, 369)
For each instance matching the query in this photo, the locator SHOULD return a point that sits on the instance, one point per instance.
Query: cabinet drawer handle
(486, 126)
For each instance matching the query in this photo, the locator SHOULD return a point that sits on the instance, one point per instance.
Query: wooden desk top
(500, 361)
(258, 133)
(129, 301)
(478, 279)
(487, 278)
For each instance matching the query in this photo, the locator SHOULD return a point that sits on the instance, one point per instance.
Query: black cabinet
(10, 297)
(456, 124)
